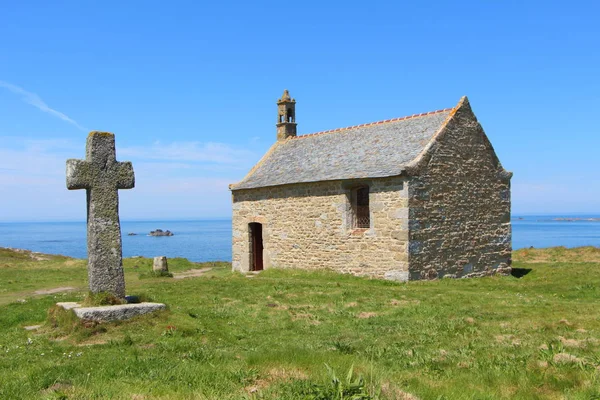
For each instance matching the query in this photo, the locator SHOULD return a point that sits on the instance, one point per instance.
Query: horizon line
(191, 219)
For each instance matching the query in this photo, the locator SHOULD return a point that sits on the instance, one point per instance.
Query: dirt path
(55, 290)
(190, 273)
(21, 296)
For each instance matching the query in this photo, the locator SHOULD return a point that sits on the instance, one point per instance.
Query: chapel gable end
(460, 142)
(459, 201)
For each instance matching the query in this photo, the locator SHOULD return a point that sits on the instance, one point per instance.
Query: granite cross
(101, 175)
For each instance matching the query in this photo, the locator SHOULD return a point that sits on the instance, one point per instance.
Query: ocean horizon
(210, 239)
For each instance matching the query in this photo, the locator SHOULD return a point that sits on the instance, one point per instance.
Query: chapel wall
(308, 226)
(460, 206)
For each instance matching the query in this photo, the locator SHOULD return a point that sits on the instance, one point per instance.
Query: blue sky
(189, 89)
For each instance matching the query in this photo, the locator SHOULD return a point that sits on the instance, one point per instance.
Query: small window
(360, 208)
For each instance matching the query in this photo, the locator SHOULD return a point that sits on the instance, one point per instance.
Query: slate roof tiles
(373, 150)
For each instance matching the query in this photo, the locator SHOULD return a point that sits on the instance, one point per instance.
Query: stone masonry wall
(459, 205)
(309, 226)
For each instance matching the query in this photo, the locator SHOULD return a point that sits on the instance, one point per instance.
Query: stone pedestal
(160, 264)
(111, 313)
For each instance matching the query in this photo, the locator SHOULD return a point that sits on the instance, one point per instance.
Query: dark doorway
(256, 246)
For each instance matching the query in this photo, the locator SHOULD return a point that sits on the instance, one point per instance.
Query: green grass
(273, 336)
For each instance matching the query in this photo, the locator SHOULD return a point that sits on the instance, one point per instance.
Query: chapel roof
(374, 150)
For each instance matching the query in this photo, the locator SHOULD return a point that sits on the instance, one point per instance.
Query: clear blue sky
(189, 89)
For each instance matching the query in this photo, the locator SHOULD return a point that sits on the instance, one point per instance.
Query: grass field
(285, 334)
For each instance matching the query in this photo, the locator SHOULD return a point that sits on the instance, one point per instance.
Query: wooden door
(256, 247)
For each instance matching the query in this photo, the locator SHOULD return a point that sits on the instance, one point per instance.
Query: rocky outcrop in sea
(160, 232)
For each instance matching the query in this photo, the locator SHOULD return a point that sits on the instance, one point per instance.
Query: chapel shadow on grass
(520, 272)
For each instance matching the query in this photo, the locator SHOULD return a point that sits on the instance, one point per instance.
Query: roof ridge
(373, 123)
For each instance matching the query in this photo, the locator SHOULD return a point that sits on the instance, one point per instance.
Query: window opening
(362, 218)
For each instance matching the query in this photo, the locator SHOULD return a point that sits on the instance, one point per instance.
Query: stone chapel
(417, 197)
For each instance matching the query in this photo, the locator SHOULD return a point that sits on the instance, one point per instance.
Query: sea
(210, 240)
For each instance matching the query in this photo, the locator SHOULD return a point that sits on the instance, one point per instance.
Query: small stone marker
(101, 175)
(160, 264)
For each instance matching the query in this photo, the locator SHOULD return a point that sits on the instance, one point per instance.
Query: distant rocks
(577, 219)
(160, 232)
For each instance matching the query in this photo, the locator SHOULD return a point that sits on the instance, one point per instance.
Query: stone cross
(101, 175)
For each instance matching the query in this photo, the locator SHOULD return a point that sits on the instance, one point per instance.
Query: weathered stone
(401, 276)
(119, 312)
(101, 176)
(112, 313)
(461, 230)
(295, 234)
(160, 264)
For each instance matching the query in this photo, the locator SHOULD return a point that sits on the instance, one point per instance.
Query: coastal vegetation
(292, 334)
